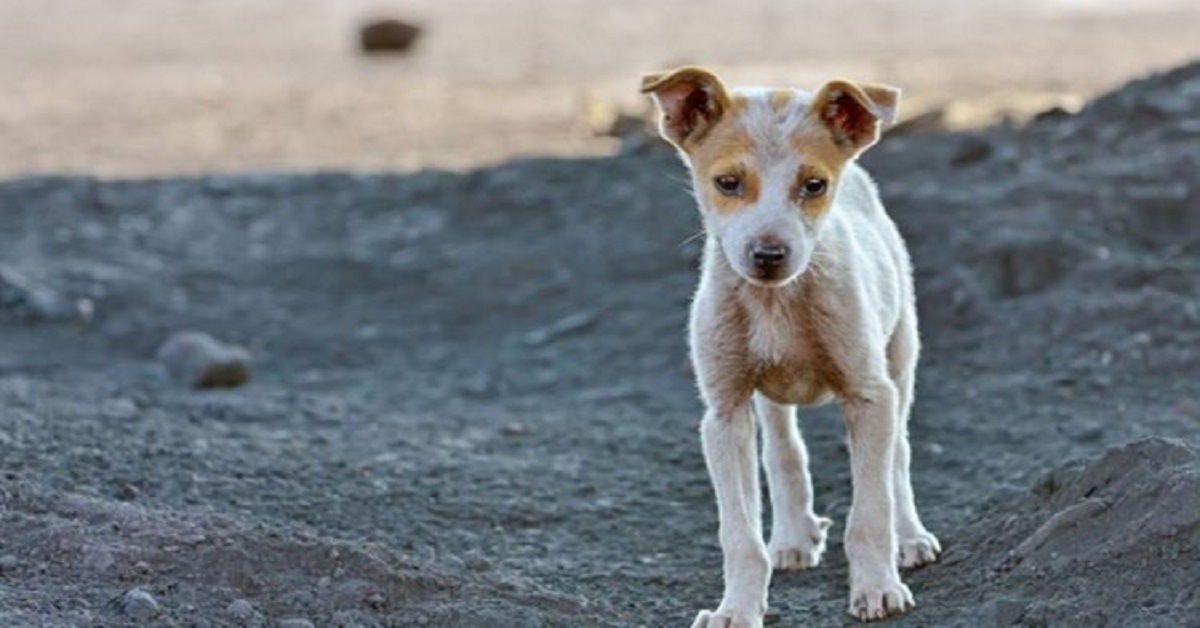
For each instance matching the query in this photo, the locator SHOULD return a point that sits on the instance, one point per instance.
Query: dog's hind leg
(797, 534)
(730, 451)
(917, 545)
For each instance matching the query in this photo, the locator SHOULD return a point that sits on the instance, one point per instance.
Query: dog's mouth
(770, 280)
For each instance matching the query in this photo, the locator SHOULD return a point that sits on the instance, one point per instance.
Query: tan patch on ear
(886, 100)
(690, 99)
(855, 113)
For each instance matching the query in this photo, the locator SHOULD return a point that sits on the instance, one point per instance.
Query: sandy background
(151, 87)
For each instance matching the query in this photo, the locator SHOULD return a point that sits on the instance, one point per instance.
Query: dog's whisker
(692, 238)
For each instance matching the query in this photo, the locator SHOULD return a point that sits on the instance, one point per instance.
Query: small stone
(127, 492)
(201, 361)
(34, 301)
(139, 605)
(1006, 612)
(971, 150)
(8, 564)
(295, 623)
(119, 408)
(515, 429)
(243, 610)
(375, 601)
(388, 36)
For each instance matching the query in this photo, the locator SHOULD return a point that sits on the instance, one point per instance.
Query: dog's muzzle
(768, 258)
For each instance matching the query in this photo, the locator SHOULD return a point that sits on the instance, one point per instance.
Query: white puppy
(805, 295)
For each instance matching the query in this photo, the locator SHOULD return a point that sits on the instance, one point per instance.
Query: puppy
(805, 295)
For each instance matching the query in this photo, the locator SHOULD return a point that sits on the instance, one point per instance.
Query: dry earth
(470, 402)
(471, 405)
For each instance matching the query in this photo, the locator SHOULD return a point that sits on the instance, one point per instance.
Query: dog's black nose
(768, 255)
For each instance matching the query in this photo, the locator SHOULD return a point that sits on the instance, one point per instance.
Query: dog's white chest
(772, 341)
(790, 364)
(774, 335)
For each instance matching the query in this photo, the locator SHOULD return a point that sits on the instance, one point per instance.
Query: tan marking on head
(728, 149)
(781, 99)
(823, 158)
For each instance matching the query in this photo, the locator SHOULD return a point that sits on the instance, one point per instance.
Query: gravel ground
(470, 403)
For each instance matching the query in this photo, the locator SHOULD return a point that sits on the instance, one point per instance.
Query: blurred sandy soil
(154, 87)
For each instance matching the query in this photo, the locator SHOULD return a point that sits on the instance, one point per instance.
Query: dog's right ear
(690, 101)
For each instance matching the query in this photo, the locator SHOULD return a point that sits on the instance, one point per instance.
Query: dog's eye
(812, 188)
(728, 184)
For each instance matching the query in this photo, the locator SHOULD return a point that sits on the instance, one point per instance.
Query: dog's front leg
(875, 587)
(730, 451)
(797, 533)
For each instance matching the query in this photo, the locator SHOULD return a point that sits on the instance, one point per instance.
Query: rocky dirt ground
(470, 403)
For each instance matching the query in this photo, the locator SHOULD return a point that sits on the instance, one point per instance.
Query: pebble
(201, 361)
(375, 601)
(388, 36)
(295, 623)
(140, 605)
(515, 428)
(971, 150)
(8, 564)
(1006, 612)
(241, 609)
(39, 302)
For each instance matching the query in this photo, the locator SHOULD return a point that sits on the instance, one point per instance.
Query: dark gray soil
(471, 406)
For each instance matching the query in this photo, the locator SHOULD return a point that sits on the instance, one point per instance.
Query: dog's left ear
(691, 100)
(855, 113)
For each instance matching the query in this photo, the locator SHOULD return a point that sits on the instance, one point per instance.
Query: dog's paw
(880, 601)
(800, 548)
(722, 619)
(919, 550)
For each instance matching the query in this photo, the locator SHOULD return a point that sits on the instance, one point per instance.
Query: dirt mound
(1109, 541)
(64, 543)
(471, 393)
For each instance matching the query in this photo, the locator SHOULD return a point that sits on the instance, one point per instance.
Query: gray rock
(201, 361)
(295, 623)
(8, 564)
(971, 150)
(1005, 612)
(140, 605)
(32, 300)
(243, 610)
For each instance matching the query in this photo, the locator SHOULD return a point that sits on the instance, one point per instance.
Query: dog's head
(766, 163)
